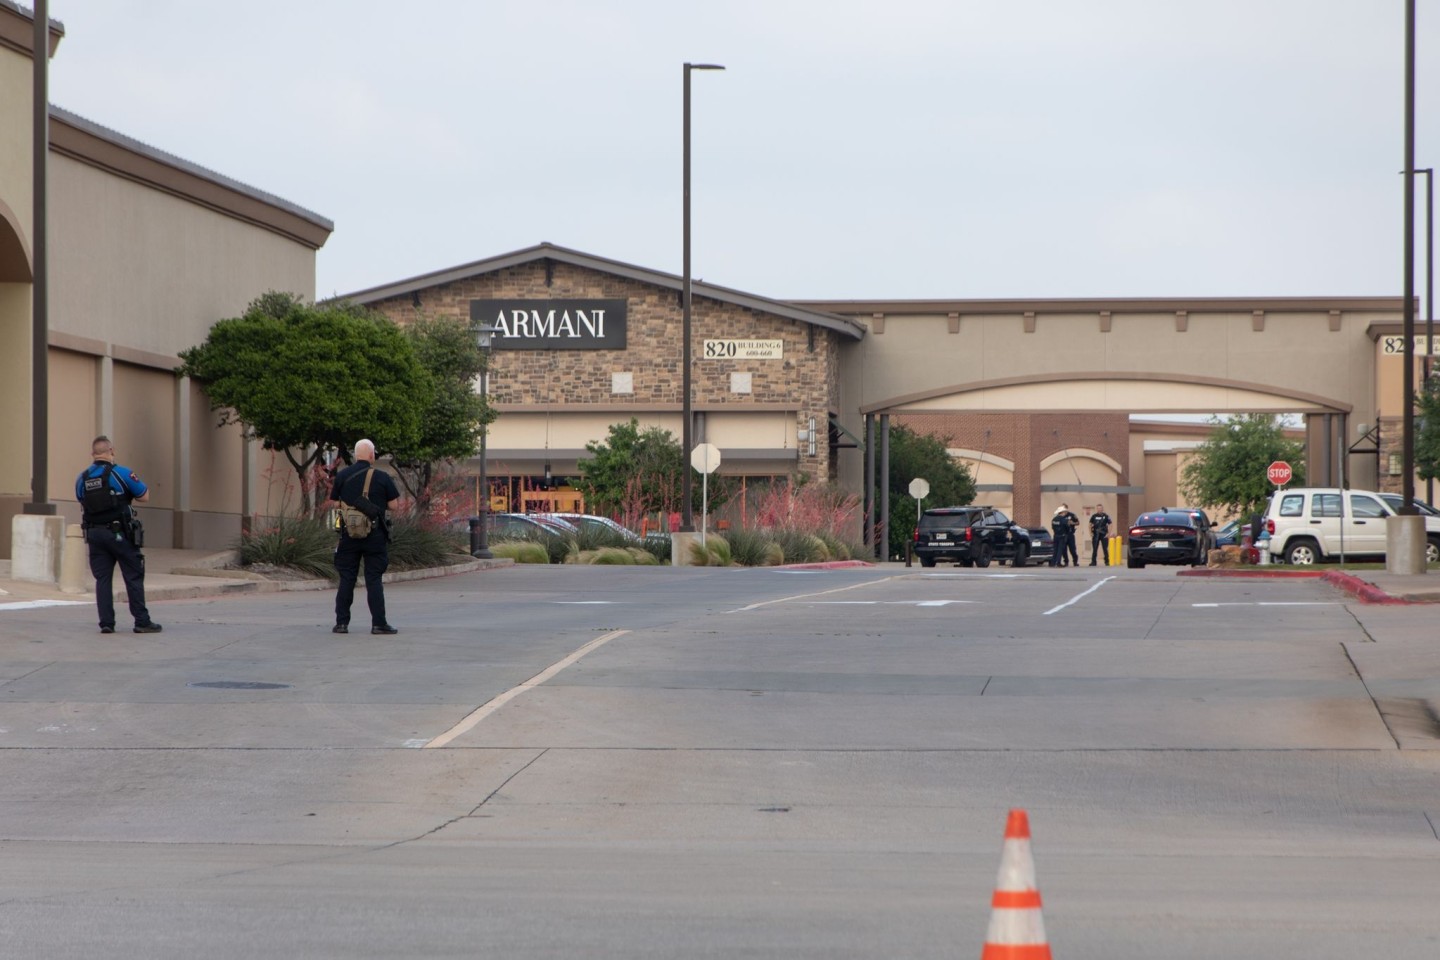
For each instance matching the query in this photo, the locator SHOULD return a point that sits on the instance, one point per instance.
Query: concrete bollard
(35, 547)
(75, 561)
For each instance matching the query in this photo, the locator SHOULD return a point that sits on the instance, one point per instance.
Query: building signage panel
(1395, 346)
(553, 324)
(744, 349)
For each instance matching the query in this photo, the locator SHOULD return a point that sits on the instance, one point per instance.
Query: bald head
(365, 450)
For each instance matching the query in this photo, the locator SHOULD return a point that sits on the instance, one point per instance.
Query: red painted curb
(1360, 589)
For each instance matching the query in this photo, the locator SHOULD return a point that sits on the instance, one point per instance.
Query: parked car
(970, 536)
(587, 521)
(1203, 524)
(1309, 525)
(1395, 501)
(522, 526)
(1042, 544)
(1168, 536)
(1230, 534)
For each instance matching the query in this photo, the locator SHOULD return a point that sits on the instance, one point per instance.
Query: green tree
(915, 455)
(633, 471)
(450, 426)
(636, 472)
(306, 378)
(1427, 429)
(1227, 471)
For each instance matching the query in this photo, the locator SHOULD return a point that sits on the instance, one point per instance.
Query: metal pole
(40, 295)
(885, 485)
(481, 547)
(1407, 485)
(1429, 296)
(687, 509)
(869, 509)
(687, 515)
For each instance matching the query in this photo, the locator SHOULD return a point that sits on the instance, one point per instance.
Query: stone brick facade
(803, 381)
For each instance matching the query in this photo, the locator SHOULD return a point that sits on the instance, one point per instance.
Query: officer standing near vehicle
(370, 490)
(105, 490)
(1100, 534)
(1063, 531)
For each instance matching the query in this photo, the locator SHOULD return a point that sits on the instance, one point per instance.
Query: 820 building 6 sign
(744, 349)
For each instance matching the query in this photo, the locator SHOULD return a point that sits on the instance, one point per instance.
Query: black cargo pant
(107, 548)
(1100, 545)
(350, 552)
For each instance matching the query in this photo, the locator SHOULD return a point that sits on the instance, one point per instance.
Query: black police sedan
(1167, 536)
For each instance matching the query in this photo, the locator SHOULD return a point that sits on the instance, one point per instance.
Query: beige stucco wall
(16, 128)
(72, 405)
(152, 271)
(15, 401)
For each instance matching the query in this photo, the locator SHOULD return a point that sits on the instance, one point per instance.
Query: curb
(1251, 572)
(1360, 589)
(217, 583)
(826, 565)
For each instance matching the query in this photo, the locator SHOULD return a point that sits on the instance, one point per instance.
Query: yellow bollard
(1117, 547)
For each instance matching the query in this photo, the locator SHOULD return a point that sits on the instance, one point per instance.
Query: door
(1365, 525)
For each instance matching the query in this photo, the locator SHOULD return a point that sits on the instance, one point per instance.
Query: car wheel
(1302, 553)
(1134, 564)
(927, 561)
(983, 560)
(1432, 550)
(1022, 557)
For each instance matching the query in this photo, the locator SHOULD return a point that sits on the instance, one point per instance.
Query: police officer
(1061, 529)
(1099, 534)
(372, 549)
(105, 491)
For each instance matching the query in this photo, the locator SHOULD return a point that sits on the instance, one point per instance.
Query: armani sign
(553, 324)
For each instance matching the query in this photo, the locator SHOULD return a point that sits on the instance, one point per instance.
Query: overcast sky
(874, 149)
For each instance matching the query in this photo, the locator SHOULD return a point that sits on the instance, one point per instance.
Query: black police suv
(970, 536)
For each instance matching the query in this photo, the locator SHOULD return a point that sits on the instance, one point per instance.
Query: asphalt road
(629, 762)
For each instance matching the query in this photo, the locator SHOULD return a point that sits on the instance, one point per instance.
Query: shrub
(658, 548)
(749, 547)
(719, 549)
(307, 545)
(612, 556)
(521, 551)
(699, 556)
(415, 545)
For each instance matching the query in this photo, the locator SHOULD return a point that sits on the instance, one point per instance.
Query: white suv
(1311, 524)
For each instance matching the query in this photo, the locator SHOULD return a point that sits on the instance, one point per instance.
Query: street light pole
(480, 533)
(1429, 295)
(1407, 485)
(687, 440)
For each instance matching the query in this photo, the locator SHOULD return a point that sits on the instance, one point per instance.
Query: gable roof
(549, 251)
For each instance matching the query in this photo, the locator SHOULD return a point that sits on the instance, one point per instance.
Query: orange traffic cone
(1017, 931)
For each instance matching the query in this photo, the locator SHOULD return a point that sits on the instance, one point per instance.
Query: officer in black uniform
(105, 491)
(1100, 534)
(373, 549)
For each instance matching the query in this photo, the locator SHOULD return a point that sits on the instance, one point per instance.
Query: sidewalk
(186, 574)
(1369, 586)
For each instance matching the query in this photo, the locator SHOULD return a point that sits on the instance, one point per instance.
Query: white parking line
(806, 596)
(898, 603)
(483, 711)
(1079, 596)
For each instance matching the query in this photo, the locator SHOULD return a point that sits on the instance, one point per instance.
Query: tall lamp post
(1429, 294)
(480, 526)
(687, 440)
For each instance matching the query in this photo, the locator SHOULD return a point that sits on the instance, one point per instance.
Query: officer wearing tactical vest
(105, 491)
(364, 494)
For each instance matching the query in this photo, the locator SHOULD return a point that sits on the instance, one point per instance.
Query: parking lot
(655, 762)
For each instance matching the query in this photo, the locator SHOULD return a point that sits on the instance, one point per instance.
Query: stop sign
(1279, 473)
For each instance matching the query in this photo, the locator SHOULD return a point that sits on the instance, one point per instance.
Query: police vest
(101, 502)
